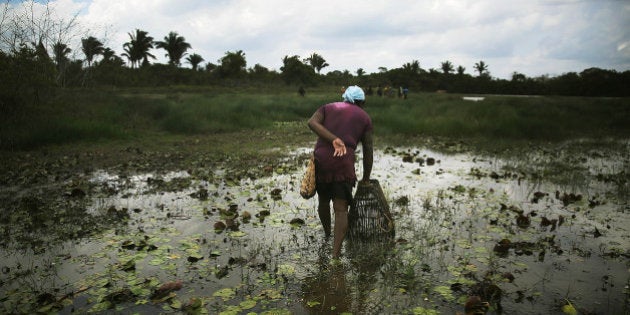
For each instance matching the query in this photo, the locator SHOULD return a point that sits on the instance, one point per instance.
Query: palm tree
(91, 47)
(518, 77)
(210, 67)
(481, 67)
(108, 54)
(138, 48)
(447, 67)
(317, 62)
(109, 57)
(233, 64)
(61, 51)
(360, 72)
(41, 52)
(460, 70)
(412, 67)
(130, 54)
(175, 47)
(194, 60)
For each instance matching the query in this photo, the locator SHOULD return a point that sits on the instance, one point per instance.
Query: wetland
(180, 201)
(540, 231)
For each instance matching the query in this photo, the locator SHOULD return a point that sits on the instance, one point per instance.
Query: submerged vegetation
(201, 227)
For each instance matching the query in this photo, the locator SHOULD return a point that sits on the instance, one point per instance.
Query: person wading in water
(340, 126)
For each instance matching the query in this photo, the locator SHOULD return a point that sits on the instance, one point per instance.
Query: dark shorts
(335, 190)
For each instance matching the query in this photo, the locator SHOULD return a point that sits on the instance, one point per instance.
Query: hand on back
(340, 147)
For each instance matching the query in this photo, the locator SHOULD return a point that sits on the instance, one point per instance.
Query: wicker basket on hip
(369, 215)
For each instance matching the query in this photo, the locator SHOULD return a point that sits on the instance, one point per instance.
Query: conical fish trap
(369, 214)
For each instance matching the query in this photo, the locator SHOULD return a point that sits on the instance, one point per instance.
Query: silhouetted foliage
(91, 48)
(26, 78)
(137, 49)
(111, 70)
(447, 67)
(194, 60)
(175, 46)
(233, 65)
(481, 67)
(317, 62)
(295, 72)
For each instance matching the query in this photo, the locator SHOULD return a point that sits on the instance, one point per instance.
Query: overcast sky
(533, 37)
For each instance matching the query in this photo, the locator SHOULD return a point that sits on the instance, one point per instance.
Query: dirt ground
(162, 153)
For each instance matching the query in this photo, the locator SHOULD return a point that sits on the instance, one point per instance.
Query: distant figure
(405, 91)
(400, 92)
(388, 91)
(379, 91)
(302, 91)
(369, 90)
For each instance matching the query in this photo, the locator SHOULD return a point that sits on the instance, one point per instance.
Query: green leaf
(140, 291)
(286, 270)
(569, 309)
(237, 234)
(446, 292)
(247, 304)
(225, 293)
(423, 311)
(157, 261)
(176, 304)
(142, 301)
(45, 308)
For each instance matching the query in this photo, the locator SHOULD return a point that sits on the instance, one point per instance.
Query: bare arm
(315, 123)
(368, 155)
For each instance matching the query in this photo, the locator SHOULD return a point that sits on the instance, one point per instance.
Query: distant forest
(35, 60)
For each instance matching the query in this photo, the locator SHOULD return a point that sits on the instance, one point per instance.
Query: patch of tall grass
(232, 112)
(89, 115)
(504, 117)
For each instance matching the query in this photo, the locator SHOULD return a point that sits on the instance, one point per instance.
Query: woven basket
(369, 214)
(308, 185)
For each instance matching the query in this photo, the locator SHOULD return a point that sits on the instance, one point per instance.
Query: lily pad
(248, 304)
(225, 293)
(445, 292)
(237, 234)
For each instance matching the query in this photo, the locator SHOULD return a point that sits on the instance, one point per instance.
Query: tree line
(34, 60)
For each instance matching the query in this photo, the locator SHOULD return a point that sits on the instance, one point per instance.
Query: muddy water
(540, 234)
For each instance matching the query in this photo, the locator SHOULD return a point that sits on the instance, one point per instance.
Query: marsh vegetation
(186, 201)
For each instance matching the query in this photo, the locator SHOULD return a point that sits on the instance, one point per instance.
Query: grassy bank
(74, 116)
(504, 117)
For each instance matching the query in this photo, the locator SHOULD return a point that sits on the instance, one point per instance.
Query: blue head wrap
(353, 93)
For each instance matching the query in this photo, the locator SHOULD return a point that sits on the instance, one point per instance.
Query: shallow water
(449, 216)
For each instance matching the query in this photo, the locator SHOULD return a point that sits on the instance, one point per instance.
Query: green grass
(501, 117)
(102, 115)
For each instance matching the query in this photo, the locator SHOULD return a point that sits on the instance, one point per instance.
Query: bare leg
(341, 224)
(323, 209)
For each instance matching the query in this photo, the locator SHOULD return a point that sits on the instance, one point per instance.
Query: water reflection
(326, 291)
(451, 213)
(351, 285)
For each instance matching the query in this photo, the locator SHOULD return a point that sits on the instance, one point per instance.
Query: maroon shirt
(349, 122)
